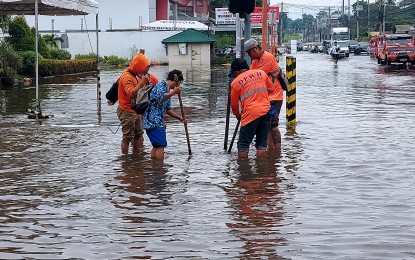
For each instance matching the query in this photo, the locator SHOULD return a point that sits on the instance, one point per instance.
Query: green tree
(50, 40)
(22, 37)
(10, 61)
(4, 23)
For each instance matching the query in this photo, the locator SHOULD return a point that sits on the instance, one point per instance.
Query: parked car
(320, 47)
(353, 45)
(363, 48)
(282, 49)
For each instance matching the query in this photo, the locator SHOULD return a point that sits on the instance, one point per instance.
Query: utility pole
(302, 21)
(238, 36)
(384, 14)
(348, 18)
(281, 13)
(247, 33)
(343, 8)
(368, 19)
(264, 24)
(329, 23)
(357, 20)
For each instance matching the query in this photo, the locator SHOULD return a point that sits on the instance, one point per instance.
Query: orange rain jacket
(251, 90)
(269, 64)
(127, 81)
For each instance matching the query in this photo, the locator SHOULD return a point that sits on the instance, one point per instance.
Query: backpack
(142, 100)
(282, 78)
(112, 94)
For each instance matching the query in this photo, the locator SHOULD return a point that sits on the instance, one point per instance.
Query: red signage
(256, 16)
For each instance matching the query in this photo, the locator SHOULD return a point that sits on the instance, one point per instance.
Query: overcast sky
(127, 15)
(296, 7)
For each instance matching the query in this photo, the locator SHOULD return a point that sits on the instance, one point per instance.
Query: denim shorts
(157, 137)
(275, 116)
(259, 128)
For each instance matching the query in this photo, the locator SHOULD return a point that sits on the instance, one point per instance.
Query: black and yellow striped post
(290, 95)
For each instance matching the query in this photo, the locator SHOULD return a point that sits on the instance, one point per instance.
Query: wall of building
(197, 54)
(122, 44)
(162, 10)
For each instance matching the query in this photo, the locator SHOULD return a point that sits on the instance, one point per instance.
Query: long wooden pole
(176, 79)
(234, 136)
(228, 112)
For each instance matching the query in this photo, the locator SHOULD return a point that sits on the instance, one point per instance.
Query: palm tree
(50, 40)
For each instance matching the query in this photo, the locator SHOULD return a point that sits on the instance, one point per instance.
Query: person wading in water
(335, 52)
(265, 61)
(250, 91)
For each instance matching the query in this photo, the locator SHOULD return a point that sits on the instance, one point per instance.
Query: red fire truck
(396, 48)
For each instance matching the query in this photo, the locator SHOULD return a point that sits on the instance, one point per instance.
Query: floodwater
(342, 187)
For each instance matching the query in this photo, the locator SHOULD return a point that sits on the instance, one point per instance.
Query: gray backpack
(142, 100)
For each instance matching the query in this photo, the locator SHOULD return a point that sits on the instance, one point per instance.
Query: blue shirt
(154, 115)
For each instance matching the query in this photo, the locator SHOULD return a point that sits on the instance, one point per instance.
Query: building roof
(49, 7)
(190, 36)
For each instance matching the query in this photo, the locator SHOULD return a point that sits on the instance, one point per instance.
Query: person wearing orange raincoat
(131, 80)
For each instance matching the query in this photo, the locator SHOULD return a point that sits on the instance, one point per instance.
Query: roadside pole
(264, 25)
(238, 36)
(290, 98)
(247, 34)
(99, 108)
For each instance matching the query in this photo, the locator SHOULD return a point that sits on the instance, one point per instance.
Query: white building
(120, 25)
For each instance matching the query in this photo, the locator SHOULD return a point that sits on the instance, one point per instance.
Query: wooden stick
(176, 79)
(228, 112)
(234, 135)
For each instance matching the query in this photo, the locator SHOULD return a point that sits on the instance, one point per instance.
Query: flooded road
(341, 189)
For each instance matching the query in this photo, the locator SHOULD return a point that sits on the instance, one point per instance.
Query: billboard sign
(256, 16)
(223, 16)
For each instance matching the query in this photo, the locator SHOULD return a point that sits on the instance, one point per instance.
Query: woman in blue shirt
(153, 118)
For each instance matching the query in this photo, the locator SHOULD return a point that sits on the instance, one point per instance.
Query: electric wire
(87, 32)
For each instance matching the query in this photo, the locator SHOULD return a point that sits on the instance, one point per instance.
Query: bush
(114, 60)
(62, 67)
(59, 54)
(10, 61)
(110, 60)
(225, 40)
(28, 63)
(89, 56)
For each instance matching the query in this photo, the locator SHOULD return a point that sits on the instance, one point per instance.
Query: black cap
(238, 64)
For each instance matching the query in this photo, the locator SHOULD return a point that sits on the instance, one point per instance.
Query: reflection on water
(340, 189)
(257, 201)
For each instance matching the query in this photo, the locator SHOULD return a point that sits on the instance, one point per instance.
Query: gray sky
(127, 15)
(296, 7)
(122, 16)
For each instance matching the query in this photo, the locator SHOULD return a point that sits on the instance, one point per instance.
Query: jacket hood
(139, 64)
